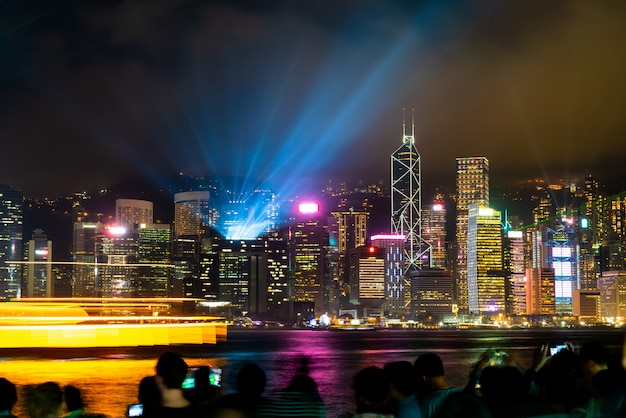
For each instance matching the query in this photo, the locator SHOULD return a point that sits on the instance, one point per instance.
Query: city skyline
(93, 94)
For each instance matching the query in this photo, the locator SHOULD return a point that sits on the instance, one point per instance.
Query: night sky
(285, 92)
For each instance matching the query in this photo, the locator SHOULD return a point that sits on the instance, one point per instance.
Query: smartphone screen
(215, 377)
(135, 410)
(190, 380)
(557, 348)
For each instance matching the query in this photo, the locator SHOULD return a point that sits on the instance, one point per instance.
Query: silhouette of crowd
(563, 381)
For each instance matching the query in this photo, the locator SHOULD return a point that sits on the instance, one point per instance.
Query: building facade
(133, 213)
(367, 280)
(38, 276)
(192, 213)
(395, 289)
(11, 224)
(472, 186)
(485, 272)
(434, 219)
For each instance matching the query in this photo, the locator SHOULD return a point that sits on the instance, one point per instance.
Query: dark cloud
(93, 91)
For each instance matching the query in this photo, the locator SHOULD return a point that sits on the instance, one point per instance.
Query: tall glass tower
(406, 201)
(472, 186)
(11, 202)
(485, 278)
(192, 213)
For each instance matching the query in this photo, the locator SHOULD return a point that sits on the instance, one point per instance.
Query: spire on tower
(403, 123)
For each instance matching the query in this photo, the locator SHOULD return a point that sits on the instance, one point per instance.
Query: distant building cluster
(568, 264)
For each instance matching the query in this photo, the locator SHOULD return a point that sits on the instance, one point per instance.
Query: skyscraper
(434, 232)
(351, 229)
(243, 275)
(247, 215)
(38, 270)
(393, 246)
(116, 252)
(515, 269)
(133, 213)
(431, 297)
(561, 255)
(367, 279)
(11, 202)
(309, 240)
(540, 291)
(155, 275)
(192, 213)
(84, 256)
(612, 286)
(406, 200)
(472, 186)
(277, 253)
(485, 273)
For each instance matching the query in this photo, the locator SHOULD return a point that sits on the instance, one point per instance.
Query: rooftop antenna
(403, 123)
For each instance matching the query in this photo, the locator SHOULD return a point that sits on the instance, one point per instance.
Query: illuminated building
(540, 291)
(544, 210)
(515, 270)
(11, 201)
(84, 256)
(154, 250)
(586, 305)
(196, 267)
(612, 287)
(132, 213)
(434, 232)
(62, 283)
(192, 213)
(185, 256)
(472, 186)
(336, 289)
(247, 215)
(207, 284)
(243, 275)
(393, 246)
(116, 267)
(367, 279)
(561, 256)
(536, 247)
(431, 297)
(351, 230)
(278, 290)
(611, 253)
(616, 222)
(309, 238)
(485, 275)
(591, 227)
(38, 269)
(406, 201)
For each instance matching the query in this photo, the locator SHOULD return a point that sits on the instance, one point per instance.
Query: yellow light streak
(65, 323)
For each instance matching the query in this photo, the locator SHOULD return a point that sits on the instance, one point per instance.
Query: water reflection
(107, 385)
(109, 378)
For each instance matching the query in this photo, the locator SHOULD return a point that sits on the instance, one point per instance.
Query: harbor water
(109, 377)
